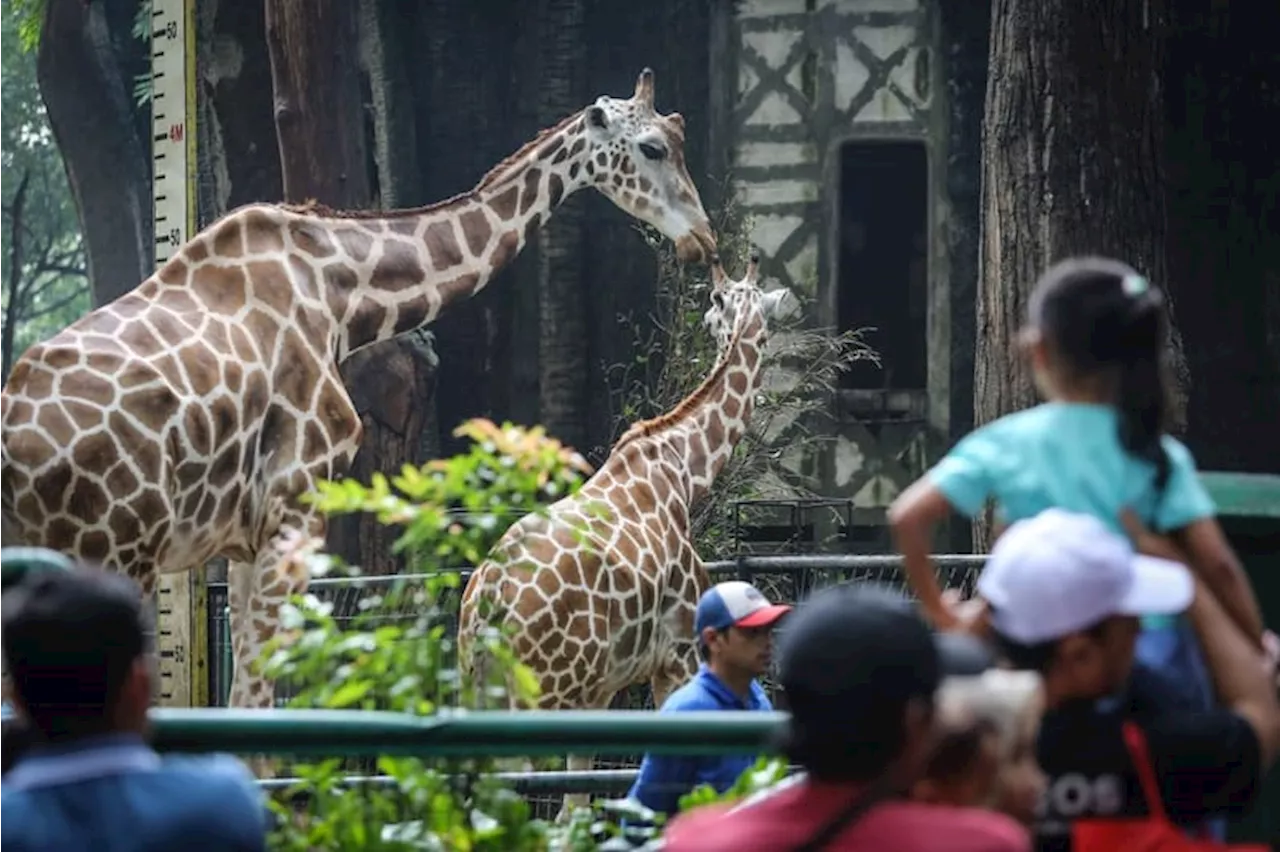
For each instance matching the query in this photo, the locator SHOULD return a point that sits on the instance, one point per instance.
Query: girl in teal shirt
(1095, 339)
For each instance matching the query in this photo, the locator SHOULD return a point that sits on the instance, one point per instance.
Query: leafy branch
(802, 371)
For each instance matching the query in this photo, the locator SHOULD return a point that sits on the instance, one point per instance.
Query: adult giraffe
(600, 591)
(184, 420)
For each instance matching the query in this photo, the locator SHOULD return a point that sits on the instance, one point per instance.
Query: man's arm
(1240, 670)
(1206, 763)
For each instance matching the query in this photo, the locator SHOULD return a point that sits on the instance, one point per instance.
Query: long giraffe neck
(707, 425)
(408, 266)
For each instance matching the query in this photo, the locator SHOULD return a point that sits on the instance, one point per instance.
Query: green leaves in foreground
(396, 651)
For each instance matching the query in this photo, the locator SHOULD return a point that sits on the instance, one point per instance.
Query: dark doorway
(883, 270)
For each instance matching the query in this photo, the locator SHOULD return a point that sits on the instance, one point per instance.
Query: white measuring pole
(181, 605)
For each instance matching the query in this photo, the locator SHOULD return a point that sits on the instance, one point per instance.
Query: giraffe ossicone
(598, 601)
(184, 420)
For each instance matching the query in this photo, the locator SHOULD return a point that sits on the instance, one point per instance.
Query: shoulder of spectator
(1215, 752)
(691, 696)
(1005, 833)
(688, 830)
(1152, 691)
(223, 776)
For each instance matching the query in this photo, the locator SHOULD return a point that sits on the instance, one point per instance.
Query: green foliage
(453, 510)
(27, 16)
(766, 772)
(142, 32)
(43, 278)
(674, 353)
(450, 512)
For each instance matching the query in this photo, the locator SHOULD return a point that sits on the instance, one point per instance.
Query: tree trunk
(319, 116)
(239, 152)
(562, 356)
(17, 211)
(462, 64)
(1072, 164)
(320, 121)
(85, 65)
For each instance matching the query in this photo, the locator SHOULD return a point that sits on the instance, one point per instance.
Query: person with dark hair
(860, 669)
(734, 624)
(1095, 338)
(1066, 595)
(75, 645)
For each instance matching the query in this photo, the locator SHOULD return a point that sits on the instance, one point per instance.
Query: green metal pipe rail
(362, 733)
(598, 782)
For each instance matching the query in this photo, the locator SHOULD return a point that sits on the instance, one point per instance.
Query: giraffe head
(636, 158)
(734, 304)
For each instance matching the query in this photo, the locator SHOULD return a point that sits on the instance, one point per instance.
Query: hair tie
(1134, 285)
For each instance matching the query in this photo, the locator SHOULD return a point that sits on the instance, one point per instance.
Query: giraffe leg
(575, 801)
(239, 581)
(582, 763)
(277, 573)
(670, 678)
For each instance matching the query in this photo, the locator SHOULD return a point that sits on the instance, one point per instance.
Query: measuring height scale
(181, 599)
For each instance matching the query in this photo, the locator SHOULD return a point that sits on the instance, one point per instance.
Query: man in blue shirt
(75, 647)
(734, 624)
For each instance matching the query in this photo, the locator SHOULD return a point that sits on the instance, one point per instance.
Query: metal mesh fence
(782, 578)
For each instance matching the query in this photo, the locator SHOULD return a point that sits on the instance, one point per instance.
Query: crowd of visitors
(1111, 684)
(1154, 718)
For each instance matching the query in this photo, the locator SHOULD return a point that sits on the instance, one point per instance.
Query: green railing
(357, 733)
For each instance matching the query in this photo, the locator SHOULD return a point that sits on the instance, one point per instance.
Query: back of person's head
(1100, 316)
(859, 667)
(985, 752)
(74, 642)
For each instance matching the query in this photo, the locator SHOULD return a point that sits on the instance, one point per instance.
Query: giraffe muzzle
(698, 246)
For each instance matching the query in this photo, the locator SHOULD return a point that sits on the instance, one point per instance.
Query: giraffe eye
(652, 152)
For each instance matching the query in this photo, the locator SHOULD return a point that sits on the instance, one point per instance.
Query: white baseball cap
(1061, 572)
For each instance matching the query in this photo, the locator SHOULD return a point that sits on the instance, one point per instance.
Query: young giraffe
(602, 590)
(183, 421)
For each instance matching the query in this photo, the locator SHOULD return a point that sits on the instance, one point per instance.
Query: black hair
(956, 749)
(1100, 315)
(71, 640)
(861, 748)
(1038, 656)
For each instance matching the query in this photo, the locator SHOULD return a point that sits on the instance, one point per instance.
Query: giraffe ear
(677, 119)
(753, 267)
(596, 117)
(718, 277)
(644, 88)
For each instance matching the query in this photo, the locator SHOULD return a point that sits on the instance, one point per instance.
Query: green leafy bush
(451, 511)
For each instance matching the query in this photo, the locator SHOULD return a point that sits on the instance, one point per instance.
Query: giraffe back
(600, 591)
(151, 433)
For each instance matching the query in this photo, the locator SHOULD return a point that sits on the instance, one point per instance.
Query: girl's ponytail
(1142, 395)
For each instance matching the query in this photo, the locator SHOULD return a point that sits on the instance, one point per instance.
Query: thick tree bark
(320, 121)
(562, 356)
(239, 151)
(462, 72)
(1072, 164)
(16, 214)
(85, 65)
(319, 117)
